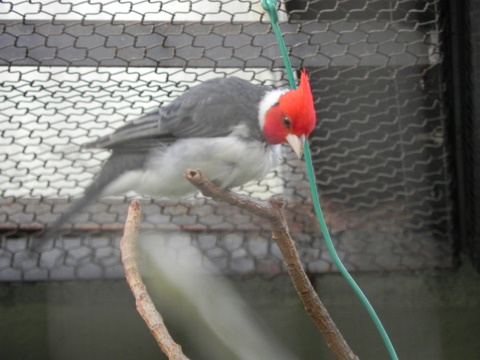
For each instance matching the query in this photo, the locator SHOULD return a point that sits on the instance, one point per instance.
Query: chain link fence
(72, 71)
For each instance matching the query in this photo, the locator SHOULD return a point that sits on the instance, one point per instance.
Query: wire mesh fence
(72, 71)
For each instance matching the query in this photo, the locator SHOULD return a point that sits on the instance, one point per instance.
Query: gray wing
(211, 109)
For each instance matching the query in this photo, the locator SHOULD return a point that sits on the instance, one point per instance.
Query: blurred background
(395, 154)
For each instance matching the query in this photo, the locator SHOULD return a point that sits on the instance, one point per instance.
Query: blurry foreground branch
(272, 210)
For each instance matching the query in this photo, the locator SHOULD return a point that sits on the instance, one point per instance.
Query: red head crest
(298, 105)
(292, 118)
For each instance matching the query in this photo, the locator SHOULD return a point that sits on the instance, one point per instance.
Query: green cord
(271, 7)
(336, 259)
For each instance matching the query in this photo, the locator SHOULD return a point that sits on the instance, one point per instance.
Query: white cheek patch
(270, 99)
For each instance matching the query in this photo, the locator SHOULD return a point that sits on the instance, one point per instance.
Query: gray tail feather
(91, 194)
(112, 169)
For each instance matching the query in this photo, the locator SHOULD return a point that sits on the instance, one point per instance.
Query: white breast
(227, 161)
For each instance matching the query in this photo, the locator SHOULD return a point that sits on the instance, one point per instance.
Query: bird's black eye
(287, 122)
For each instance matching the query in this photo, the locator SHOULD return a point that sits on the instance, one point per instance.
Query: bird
(228, 128)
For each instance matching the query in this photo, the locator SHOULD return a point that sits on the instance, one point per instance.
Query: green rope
(271, 7)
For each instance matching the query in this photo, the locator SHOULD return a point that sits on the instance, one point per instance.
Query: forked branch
(272, 210)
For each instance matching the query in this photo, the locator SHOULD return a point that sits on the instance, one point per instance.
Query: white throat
(270, 99)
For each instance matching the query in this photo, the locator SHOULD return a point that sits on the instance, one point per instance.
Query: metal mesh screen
(469, 77)
(72, 71)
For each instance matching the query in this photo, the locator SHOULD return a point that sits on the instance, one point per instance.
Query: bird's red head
(292, 118)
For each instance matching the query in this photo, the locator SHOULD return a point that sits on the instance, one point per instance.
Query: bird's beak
(296, 142)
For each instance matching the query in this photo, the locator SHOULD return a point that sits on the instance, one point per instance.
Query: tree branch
(144, 303)
(272, 210)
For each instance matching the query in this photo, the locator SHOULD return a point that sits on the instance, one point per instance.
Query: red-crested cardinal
(227, 128)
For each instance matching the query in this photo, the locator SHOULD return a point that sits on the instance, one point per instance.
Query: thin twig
(145, 306)
(272, 210)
